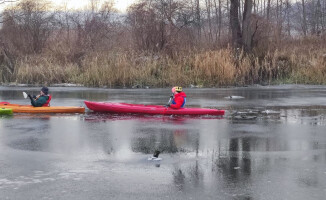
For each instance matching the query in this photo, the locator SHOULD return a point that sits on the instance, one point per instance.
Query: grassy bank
(208, 69)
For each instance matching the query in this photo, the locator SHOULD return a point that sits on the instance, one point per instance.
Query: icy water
(271, 144)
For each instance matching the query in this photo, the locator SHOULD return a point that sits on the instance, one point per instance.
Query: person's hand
(171, 96)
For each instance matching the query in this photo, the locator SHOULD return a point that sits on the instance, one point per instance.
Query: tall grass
(39, 69)
(291, 64)
(214, 68)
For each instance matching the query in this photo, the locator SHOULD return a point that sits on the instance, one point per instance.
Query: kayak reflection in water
(178, 98)
(41, 100)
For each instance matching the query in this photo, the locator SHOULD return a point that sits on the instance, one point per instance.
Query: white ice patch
(154, 159)
(234, 97)
(271, 112)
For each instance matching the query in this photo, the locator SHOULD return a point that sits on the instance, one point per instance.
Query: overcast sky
(76, 4)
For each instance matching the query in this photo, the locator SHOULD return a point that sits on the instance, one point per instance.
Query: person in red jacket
(179, 98)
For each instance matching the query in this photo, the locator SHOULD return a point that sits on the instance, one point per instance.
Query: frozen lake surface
(271, 144)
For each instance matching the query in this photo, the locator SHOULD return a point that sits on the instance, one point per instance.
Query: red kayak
(148, 109)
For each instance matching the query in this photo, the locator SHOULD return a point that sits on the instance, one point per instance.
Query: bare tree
(29, 25)
(235, 24)
(198, 19)
(159, 24)
(247, 29)
(6, 57)
(218, 16)
(304, 18)
(7, 1)
(268, 9)
(209, 18)
(288, 16)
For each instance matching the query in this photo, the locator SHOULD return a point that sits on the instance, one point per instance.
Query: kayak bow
(5, 111)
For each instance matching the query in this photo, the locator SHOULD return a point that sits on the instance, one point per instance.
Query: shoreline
(73, 85)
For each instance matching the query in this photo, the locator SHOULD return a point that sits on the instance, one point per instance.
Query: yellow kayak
(16, 108)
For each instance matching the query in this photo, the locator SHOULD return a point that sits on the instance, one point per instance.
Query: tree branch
(8, 1)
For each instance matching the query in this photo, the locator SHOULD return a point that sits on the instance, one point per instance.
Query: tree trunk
(269, 9)
(288, 17)
(246, 26)
(228, 8)
(198, 20)
(208, 8)
(218, 19)
(304, 19)
(235, 24)
(318, 18)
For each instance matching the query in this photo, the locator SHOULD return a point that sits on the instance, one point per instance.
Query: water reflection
(281, 151)
(233, 163)
(187, 178)
(145, 134)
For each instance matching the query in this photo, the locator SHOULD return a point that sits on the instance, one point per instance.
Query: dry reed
(291, 64)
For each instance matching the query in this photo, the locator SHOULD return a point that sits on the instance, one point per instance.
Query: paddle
(25, 95)
(171, 97)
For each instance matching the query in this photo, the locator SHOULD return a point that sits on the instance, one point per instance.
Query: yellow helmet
(176, 89)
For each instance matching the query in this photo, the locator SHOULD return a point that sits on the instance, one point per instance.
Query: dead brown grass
(291, 64)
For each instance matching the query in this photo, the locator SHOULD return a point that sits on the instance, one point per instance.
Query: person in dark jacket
(41, 100)
(179, 98)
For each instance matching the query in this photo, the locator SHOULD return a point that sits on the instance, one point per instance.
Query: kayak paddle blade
(25, 95)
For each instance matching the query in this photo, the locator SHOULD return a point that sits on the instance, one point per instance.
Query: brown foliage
(162, 43)
(28, 25)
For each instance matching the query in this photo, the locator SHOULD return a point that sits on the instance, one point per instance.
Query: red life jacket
(179, 100)
(47, 104)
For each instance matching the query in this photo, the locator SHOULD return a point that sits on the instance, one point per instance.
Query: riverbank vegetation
(164, 43)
